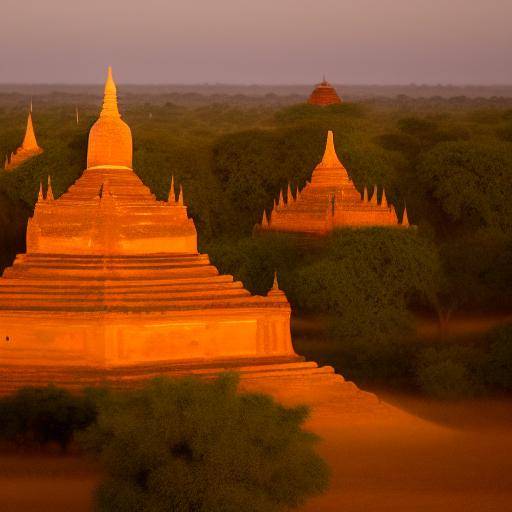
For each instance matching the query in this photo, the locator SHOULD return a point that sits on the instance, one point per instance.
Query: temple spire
(330, 158)
(275, 284)
(110, 97)
(180, 198)
(49, 191)
(365, 195)
(40, 195)
(384, 201)
(29, 141)
(374, 196)
(289, 195)
(405, 218)
(172, 192)
(264, 220)
(281, 199)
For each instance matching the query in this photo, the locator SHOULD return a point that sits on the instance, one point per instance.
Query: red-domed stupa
(324, 94)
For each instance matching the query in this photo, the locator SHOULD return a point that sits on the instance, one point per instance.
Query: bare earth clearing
(411, 465)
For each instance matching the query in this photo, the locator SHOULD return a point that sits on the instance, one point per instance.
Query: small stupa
(28, 149)
(324, 94)
(329, 201)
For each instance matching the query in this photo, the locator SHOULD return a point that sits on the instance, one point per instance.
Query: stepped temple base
(291, 380)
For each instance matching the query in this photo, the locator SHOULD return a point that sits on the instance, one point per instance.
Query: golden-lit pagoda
(112, 289)
(324, 94)
(28, 149)
(329, 201)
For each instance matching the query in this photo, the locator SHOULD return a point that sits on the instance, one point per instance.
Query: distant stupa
(28, 149)
(329, 201)
(324, 94)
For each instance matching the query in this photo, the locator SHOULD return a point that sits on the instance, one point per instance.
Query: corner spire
(180, 197)
(365, 195)
(330, 158)
(264, 220)
(172, 192)
(374, 196)
(40, 196)
(384, 201)
(49, 191)
(110, 97)
(405, 218)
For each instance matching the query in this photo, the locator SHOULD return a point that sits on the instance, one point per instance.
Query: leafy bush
(451, 372)
(191, 445)
(499, 369)
(43, 415)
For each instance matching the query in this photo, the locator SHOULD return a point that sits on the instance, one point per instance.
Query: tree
(188, 444)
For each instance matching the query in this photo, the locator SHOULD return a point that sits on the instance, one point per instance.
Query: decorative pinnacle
(275, 285)
(384, 201)
(49, 191)
(110, 97)
(40, 196)
(330, 158)
(180, 198)
(172, 192)
(365, 195)
(374, 196)
(281, 199)
(405, 218)
(264, 220)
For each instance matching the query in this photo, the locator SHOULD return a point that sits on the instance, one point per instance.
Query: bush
(192, 445)
(451, 372)
(499, 370)
(38, 416)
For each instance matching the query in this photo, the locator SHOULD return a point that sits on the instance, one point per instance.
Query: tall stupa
(112, 289)
(28, 149)
(329, 201)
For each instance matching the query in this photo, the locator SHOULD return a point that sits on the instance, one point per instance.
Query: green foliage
(470, 183)
(38, 416)
(367, 277)
(451, 372)
(191, 445)
(499, 370)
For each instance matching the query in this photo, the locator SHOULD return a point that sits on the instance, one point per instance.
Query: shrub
(451, 372)
(43, 415)
(192, 445)
(499, 369)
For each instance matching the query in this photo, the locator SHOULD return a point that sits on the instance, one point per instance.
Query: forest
(448, 160)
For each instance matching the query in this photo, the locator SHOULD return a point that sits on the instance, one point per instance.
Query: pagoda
(324, 94)
(28, 149)
(329, 201)
(112, 289)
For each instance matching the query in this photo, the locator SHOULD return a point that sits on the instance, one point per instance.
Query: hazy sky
(257, 41)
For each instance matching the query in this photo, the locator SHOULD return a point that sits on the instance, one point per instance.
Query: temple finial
(405, 218)
(374, 196)
(110, 97)
(330, 158)
(76, 112)
(31, 104)
(180, 198)
(264, 220)
(49, 191)
(384, 201)
(365, 195)
(289, 195)
(281, 199)
(275, 285)
(40, 195)
(172, 193)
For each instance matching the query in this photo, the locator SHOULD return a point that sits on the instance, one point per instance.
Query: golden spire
(374, 196)
(29, 141)
(330, 158)
(49, 191)
(172, 193)
(40, 196)
(110, 97)
(384, 201)
(264, 220)
(405, 218)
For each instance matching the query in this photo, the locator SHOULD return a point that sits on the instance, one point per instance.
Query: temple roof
(324, 94)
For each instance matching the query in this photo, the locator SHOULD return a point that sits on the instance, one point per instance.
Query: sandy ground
(461, 463)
